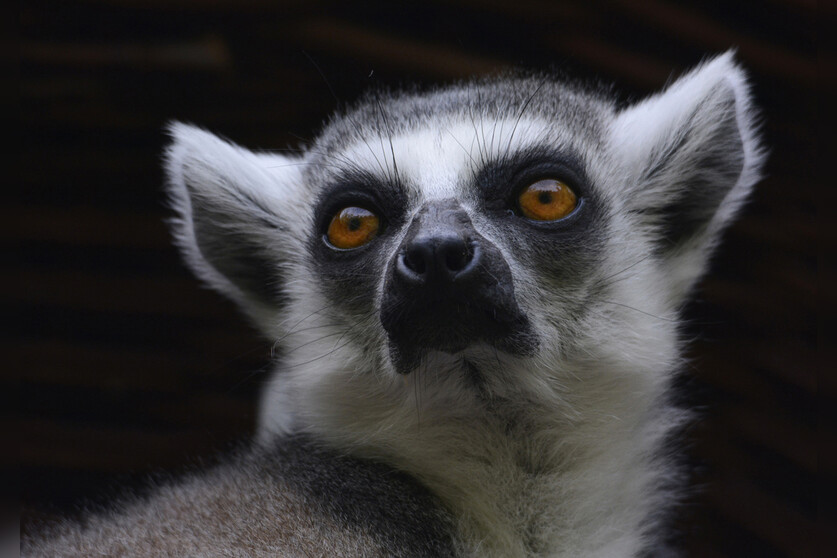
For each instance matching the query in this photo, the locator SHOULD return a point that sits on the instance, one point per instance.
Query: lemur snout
(440, 261)
(448, 288)
(438, 258)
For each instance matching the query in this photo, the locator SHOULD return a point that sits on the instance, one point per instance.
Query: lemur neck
(527, 478)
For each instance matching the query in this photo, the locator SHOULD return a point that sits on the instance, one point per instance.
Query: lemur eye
(352, 227)
(547, 200)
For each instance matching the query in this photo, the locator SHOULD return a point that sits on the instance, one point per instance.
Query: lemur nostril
(440, 249)
(457, 259)
(415, 261)
(435, 258)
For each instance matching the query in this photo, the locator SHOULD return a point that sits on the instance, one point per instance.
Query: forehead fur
(571, 107)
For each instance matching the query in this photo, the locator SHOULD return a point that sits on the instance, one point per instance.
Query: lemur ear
(234, 210)
(690, 157)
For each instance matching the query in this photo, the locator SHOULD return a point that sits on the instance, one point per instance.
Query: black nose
(447, 288)
(444, 257)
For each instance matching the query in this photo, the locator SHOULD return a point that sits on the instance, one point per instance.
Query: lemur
(475, 294)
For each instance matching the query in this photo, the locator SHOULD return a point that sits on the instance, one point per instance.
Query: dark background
(125, 365)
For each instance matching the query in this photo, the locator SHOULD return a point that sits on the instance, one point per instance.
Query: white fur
(688, 103)
(563, 461)
(217, 170)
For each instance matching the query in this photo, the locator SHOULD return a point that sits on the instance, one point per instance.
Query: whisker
(329, 353)
(605, 280)
(383, 115)
(637, 310)
(322, 75)
(521, 112)
(469, 153)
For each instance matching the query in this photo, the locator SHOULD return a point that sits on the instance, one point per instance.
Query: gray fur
(549, 451)
(297, 499)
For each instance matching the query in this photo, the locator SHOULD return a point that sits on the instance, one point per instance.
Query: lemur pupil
(354, 224)
(545, 197)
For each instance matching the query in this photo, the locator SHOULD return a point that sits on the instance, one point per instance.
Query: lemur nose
(440, 258)
(447, 287)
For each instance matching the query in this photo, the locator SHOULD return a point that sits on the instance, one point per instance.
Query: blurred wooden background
(120, 364)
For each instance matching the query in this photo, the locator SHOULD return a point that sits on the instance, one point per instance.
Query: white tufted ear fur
(692, 156)
(233, 214)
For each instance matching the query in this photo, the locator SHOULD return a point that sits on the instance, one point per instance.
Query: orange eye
(352, 227)
(547, 200)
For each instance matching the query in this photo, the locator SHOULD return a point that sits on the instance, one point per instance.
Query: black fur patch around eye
(500, 181)
(386, 198)
(567, 249)
(350, 277)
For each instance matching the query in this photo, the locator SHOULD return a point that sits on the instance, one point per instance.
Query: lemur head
(496, 236)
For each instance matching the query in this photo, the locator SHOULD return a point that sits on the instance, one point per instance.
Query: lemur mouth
(448, 288)
(406, 357)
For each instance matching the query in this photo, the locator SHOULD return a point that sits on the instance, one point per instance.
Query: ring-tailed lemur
(475, 291)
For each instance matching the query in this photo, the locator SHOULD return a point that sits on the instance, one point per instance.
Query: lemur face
(431, 253)
(515, 229)
(474, 228)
